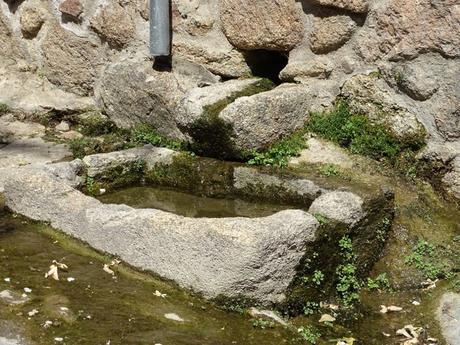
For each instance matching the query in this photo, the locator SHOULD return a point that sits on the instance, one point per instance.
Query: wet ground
(188, 205)
(98, 308)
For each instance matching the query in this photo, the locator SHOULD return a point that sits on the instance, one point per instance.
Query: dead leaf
(107, 269)
(346, 341)
(327, 318)
(53, 272)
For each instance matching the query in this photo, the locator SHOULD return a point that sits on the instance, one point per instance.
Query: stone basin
(258, 258)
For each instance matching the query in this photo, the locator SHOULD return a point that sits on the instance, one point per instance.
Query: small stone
(70, 135)
(72, 8)
(330, 33)
(27, 290)
(63, 127)
(344, 207)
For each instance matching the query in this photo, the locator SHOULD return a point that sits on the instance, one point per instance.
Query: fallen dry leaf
(107, 269)
(53, 272)
(327, 318)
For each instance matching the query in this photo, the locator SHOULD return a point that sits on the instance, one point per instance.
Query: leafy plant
(424, 259)
(321, 218)
(309, 334)
(310, 308)
(348, 285)
(329, 170)
(280, 153)
(146, 134)
(356, 132)
(380, 282)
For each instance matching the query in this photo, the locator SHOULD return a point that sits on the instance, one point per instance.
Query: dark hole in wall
(13, 5)
(266, 63)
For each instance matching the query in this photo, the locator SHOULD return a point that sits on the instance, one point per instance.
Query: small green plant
(4, 108)
(321, 218)
(318, 277)
(263, 324)
(146, 134)
(309, 334)
(280, 153)
(310, 308)
(329, 170)
(358, 134)
(423, 257)
(380, 282)
(348, 285)
(90, 185)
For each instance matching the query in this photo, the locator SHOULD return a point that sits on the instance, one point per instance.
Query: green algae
(101, 308)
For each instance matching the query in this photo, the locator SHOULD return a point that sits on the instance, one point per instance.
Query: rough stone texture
(30, 93)
(370, 95)
(261, 24)
(31, 151)
(70, 61)
(72, 8)
(319, 151)
(245, 178)
(344, 207)
(10, 51)
(192, 105)
(330, 33)
(262, 119)
(11, 129)
(448, 314)
(198, 38)
(358, 6)
(114, 25)
(230, 256)
(67, 172)
(404, 29)
(99, 163)
(32, 19)
(214, 52)
(416, 80)
(132, 92)
(451, 180)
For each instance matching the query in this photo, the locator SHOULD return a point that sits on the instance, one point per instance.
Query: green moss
(116, 177)
(281, 152)
(212, 136)
(201, 176)
(357, 133)
(95, 124)
(4, 108)
(82, 147)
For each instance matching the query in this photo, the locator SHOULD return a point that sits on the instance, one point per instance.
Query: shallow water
(121, 309)
(124, 310)
(188, 205)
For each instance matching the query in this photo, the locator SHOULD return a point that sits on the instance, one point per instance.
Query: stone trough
(258, 258)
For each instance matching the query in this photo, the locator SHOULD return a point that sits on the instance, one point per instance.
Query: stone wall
(96, 52)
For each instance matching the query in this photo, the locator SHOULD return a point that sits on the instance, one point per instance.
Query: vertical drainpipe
(160, 28)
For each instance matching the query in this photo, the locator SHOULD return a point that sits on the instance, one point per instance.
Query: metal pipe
(160, 28)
